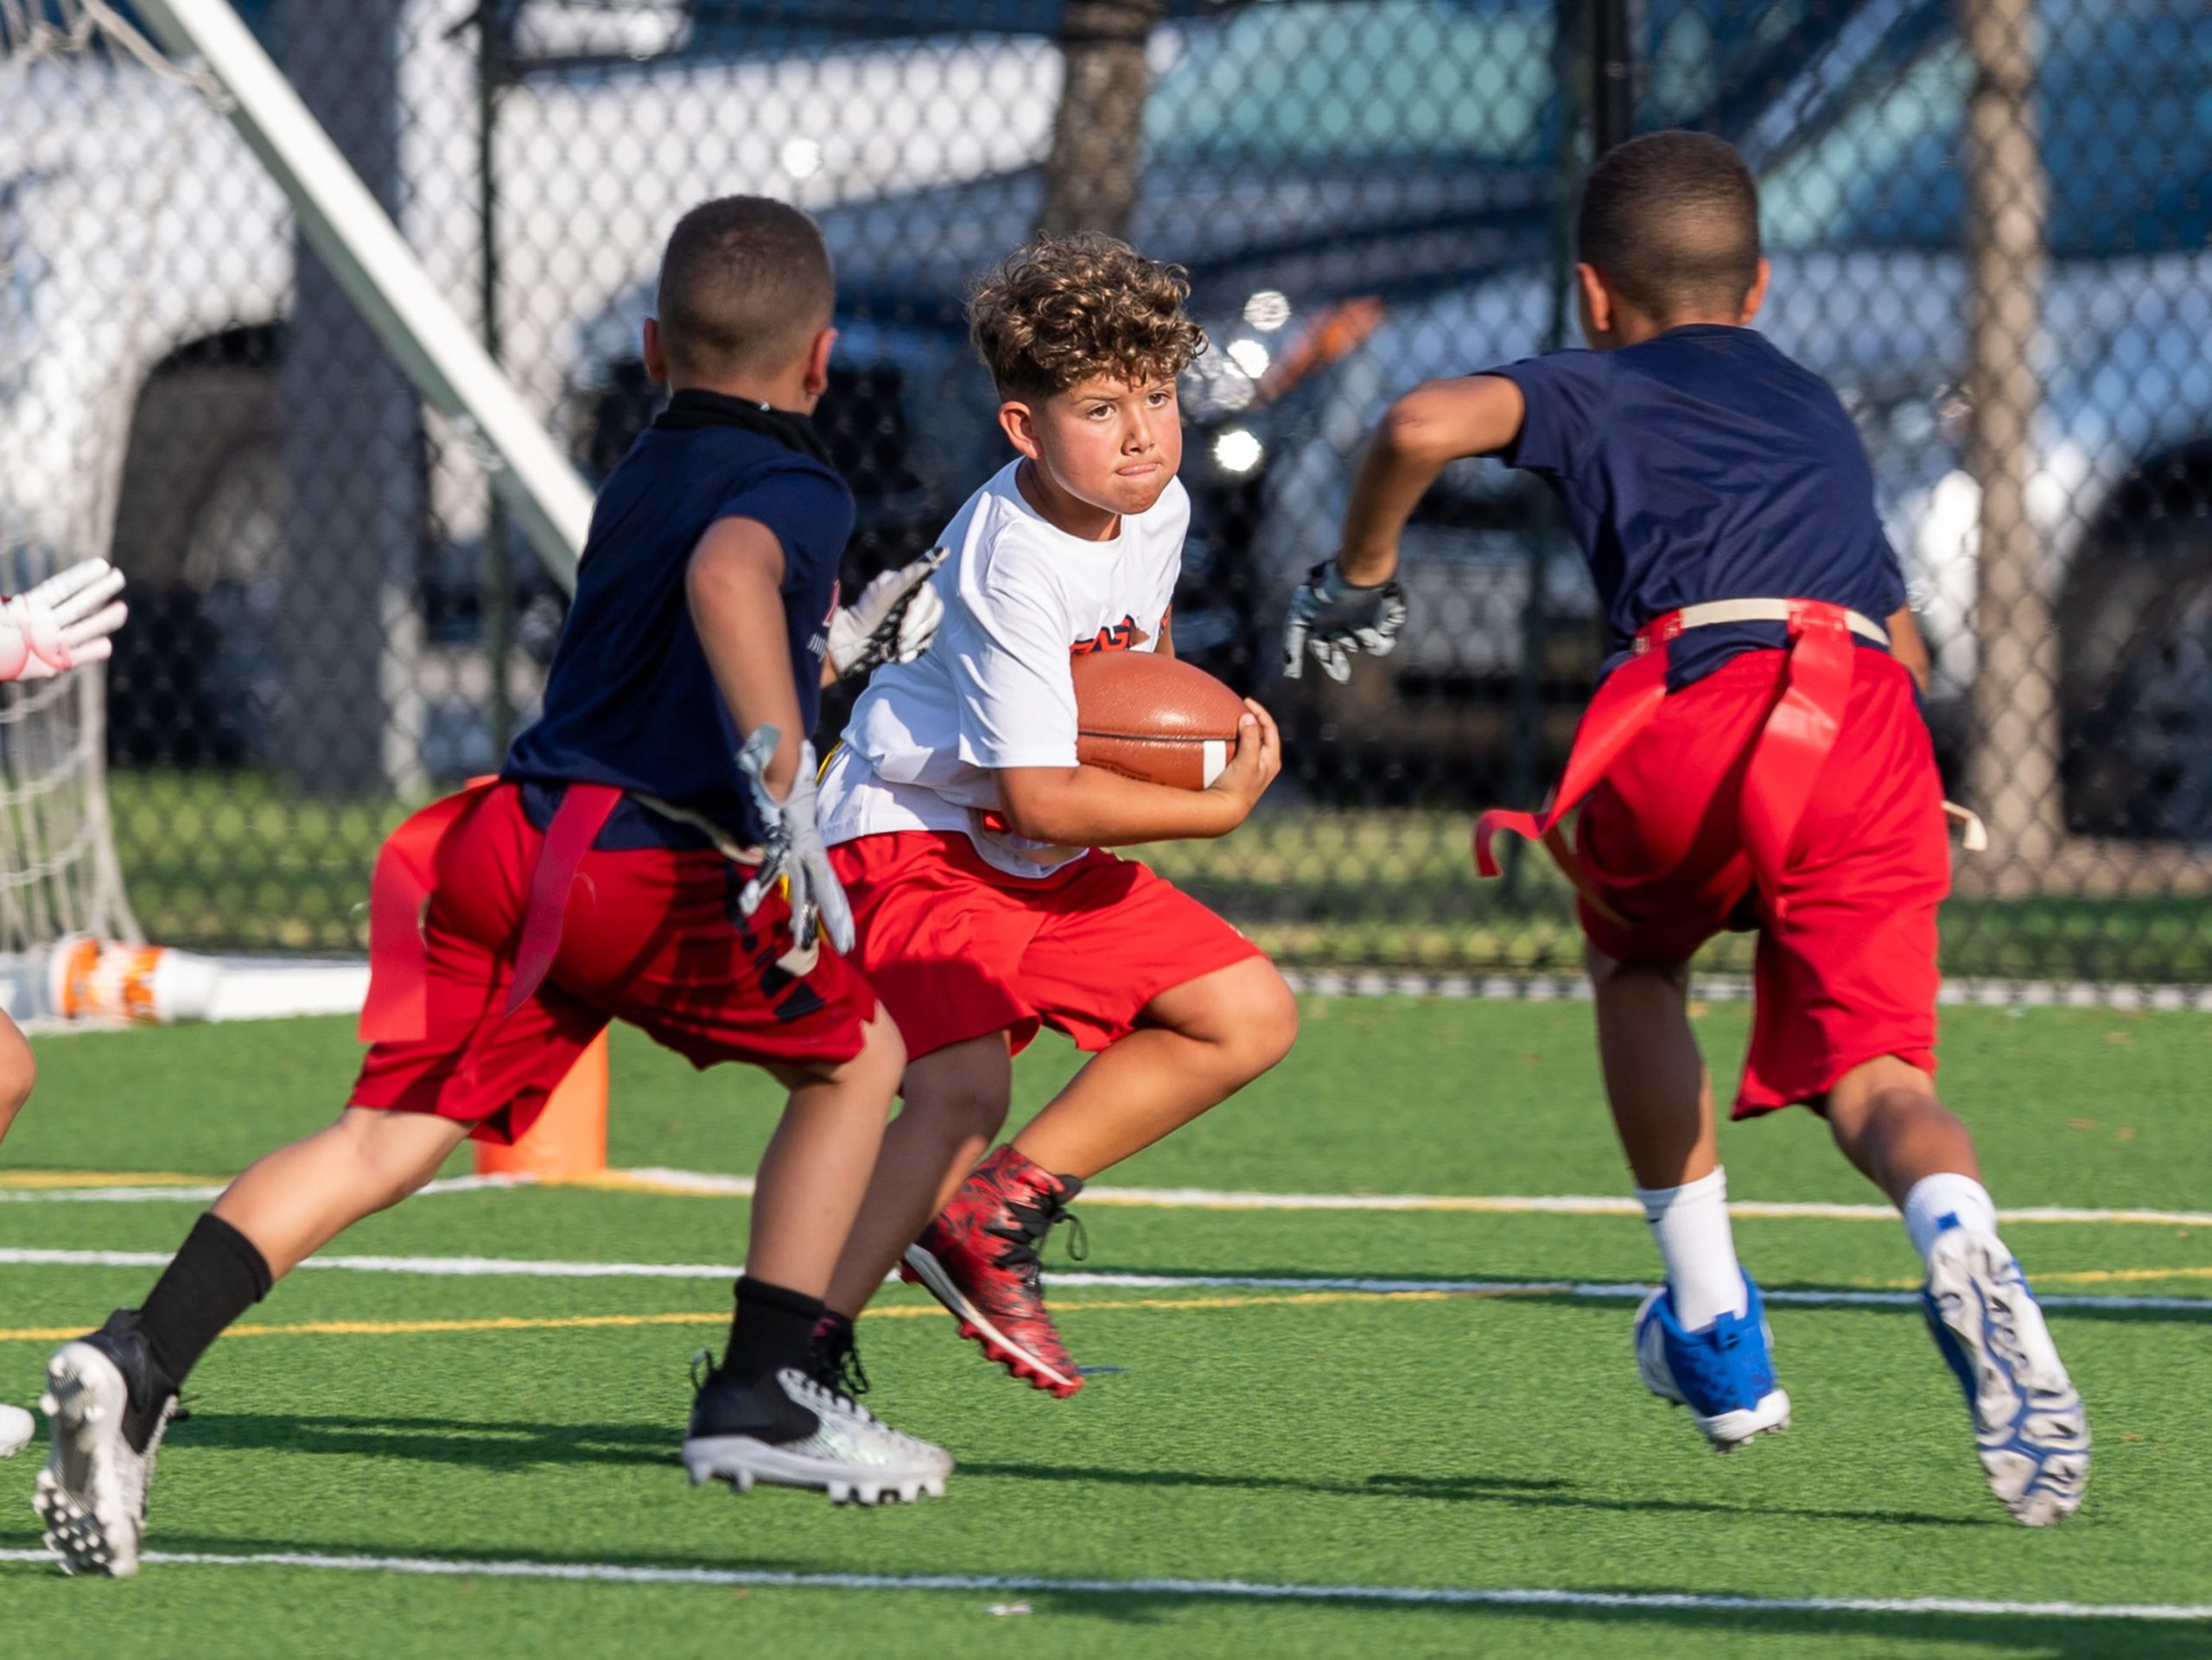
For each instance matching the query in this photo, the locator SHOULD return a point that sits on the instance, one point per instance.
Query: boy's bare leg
(2030, 1431)
(294, 1201)
(1213, 1035)
(110, 1394)
(1201, 1042)
(768, 1413)
(1655, 1081)
(18, 1071)
(1886, 1117)
(957, 1099)
(809, 1187)
(1661, 1101)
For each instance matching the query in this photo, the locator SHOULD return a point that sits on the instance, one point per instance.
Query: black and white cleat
(107, 1404)
(789, 1431)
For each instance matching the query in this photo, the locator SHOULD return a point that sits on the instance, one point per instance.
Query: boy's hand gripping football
(62, 624)
(1332, 618)
(792, 850)
(893, 620)
(1258, 759)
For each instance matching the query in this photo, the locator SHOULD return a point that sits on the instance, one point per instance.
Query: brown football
(1151, 717)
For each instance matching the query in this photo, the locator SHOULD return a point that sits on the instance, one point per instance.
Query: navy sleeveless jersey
(1705, 464)
(630, 700)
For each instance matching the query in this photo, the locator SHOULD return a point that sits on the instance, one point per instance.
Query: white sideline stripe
(1963, 992)
(1247, 1590)
(716, 1184)
(125, 1194)
(1589, 1290)
(283, 988)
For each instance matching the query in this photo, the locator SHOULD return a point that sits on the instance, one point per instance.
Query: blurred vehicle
(1864, 210)
(1312, 165)
(149, 283)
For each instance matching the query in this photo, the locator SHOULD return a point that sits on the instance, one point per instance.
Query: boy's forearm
(1389, 482)
(733, 588)
(1088, 806)
(1423, 433)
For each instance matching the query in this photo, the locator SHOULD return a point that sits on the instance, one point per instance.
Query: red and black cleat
(978, 1258)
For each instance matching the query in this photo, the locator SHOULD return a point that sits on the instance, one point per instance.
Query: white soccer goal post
(78, 79)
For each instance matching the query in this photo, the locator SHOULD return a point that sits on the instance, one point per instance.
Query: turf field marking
(1590, 1290)
(1986, 993)
(720, 1316)
(86, 1187)
(1235, 1590)
(2123, 1275)
(126, 1188)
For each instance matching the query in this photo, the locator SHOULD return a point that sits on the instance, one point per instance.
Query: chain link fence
(1988, 220)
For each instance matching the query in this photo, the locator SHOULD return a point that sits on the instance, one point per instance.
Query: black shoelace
(1034, 1218)
(844, 1372)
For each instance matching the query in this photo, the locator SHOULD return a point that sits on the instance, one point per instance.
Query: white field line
(708, 1184)
(200, 1192)
(260, 987)
(1230, 1590)
(1736, 988)
(470, 1268)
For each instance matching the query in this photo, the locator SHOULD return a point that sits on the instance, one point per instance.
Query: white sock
(1941, 1201)
(1691, 1225)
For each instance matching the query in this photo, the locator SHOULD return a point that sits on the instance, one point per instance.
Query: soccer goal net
(204, 302)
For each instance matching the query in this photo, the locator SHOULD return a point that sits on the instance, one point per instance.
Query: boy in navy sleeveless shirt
(1755, 758)
(649, 854)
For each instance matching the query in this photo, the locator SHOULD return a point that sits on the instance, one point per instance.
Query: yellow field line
(2121, 1276)
(97, 1179)
(900, 1311)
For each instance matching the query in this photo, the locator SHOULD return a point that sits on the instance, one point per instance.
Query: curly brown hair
(1065, 308)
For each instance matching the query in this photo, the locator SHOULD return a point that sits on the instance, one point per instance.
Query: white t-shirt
(1022, 599)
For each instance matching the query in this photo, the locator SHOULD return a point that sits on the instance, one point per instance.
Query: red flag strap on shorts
(1624, 705)
(397, 1007)
(1796, 740)
(1787, 757)
(584, 808)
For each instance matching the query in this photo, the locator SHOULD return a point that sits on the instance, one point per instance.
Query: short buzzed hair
(745, 283)
(1671, 221)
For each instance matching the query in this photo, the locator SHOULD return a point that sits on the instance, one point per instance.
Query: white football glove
(891, 620)
(1332, 619)
(792, 850)
(62, 623)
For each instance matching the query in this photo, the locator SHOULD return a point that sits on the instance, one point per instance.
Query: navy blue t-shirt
(630, 700)
(1705, 464)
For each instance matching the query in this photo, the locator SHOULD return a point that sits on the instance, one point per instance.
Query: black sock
(772, 1328)
(217, 1276)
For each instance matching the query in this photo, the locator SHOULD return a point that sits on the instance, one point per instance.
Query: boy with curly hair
(972, 842)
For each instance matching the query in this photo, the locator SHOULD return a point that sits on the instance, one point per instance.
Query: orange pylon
(569, 1138)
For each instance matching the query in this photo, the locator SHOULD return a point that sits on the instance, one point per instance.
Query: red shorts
(957, 949)
(652, 937)
(1847, 973)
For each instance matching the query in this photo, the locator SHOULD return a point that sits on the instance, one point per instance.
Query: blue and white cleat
(2029, 1425)
(1724, 1372)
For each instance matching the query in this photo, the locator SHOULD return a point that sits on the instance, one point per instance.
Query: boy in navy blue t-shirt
(1754, 757)
(649, 854)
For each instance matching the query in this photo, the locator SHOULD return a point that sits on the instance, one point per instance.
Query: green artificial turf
(1278, 1436)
